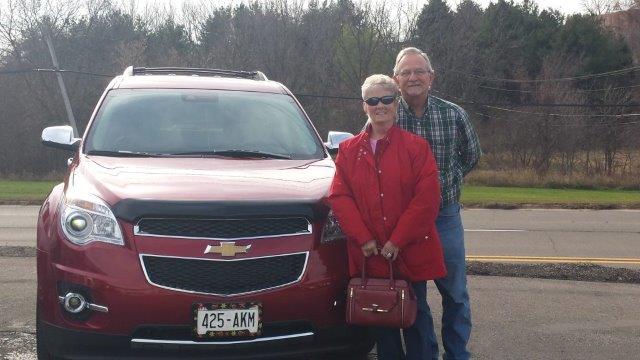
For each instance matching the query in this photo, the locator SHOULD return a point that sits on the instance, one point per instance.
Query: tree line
(546, 92)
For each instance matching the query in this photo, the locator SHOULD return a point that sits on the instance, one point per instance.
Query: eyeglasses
(373, 101)
(416, 72)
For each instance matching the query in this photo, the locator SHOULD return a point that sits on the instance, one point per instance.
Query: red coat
(394, 195)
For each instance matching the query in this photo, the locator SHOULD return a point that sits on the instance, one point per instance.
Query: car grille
(223, 228)
(224, 277)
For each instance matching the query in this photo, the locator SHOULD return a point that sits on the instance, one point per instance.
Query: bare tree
(599, 7)
(97, 7)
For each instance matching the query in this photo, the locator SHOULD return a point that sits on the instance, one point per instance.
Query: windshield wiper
(122, 153)
(236, 153)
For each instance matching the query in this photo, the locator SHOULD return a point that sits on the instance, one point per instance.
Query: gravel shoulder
(18, 345)
(574, 272)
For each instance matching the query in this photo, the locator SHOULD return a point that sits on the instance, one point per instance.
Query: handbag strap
(392, 282)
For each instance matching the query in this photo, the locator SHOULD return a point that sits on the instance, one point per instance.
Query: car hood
(202, 179)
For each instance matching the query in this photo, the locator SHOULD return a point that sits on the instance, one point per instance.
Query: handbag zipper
(402, 305)
(351, 302)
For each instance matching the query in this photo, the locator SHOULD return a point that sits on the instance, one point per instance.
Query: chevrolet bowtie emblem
(227, 249)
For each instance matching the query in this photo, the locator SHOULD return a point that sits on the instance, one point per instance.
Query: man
(456, 148)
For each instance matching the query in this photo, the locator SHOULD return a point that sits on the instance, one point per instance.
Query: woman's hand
(390, 251)
(370, 248)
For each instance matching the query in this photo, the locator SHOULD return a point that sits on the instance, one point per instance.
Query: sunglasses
(373, 101)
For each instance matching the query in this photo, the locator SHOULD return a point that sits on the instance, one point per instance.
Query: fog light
(74, 303)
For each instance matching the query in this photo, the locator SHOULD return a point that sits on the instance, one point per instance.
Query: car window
(178, 121)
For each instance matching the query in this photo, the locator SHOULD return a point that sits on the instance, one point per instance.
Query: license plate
(227, 319)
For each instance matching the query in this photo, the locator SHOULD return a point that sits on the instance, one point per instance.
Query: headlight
(331, 230)
(88, 218)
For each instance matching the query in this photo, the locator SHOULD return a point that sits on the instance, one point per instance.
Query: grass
(25, 191)
(34, 192)
(527, 178)
(488, 196)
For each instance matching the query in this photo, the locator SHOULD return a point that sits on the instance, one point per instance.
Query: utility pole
(46, 30)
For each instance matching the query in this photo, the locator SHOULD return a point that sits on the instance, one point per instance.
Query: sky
(566, 7)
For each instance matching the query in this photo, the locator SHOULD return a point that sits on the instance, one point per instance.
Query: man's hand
(370, 248)
(390, 251)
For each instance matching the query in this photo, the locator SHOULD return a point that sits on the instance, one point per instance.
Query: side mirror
(334, 138)
(60, 137)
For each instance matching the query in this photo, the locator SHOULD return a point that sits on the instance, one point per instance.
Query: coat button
(381, 195)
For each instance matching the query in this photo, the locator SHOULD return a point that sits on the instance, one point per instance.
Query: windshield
(188, 122)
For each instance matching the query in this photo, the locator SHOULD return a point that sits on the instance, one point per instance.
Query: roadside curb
(21, 202)
(17, 251)
(505, 206)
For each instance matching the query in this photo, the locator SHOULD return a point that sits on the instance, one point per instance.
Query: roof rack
(255, 75)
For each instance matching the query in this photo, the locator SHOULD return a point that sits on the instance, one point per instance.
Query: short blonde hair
(412, 51)
(381, 80)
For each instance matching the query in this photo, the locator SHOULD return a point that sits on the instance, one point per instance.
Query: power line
(593, 125)
(560, 115)
(582, 77)
(499, 107)
(3, 72)
(86, 73)
(484, 115)
(329, 97)
(490, 104)
(22, 71)
(11, 72)
(531, 112)
(459, 100)
(554, 105)
(492, 117)
(559, 124)
(558, 91)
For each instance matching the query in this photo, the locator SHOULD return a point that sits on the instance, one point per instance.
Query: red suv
(191, 224)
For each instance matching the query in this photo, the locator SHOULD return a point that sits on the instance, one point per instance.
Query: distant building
(627, 24)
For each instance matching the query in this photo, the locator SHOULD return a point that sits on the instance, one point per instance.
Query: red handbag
(381, 302)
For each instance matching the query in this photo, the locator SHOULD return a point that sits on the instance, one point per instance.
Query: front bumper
(147, 321)
(73, 344)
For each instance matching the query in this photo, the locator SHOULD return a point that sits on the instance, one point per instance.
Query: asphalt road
(608, 237)
(18, 225)
(514, 318)
(605, 237)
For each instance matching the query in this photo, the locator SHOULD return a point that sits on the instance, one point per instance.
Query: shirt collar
(404, 104)
(386, 139)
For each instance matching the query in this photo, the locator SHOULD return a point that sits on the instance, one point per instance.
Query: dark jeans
(389, 342)
(456, 308)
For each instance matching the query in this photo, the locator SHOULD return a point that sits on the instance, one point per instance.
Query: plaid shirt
(454, 143)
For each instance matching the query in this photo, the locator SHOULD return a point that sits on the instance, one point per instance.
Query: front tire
(42, 350)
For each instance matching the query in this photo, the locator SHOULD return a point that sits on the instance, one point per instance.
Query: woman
(386, 196)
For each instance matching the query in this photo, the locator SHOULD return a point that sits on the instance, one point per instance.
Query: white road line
(495, 230)
(552, 259)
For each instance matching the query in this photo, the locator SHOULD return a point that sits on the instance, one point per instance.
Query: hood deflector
(132, 210)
